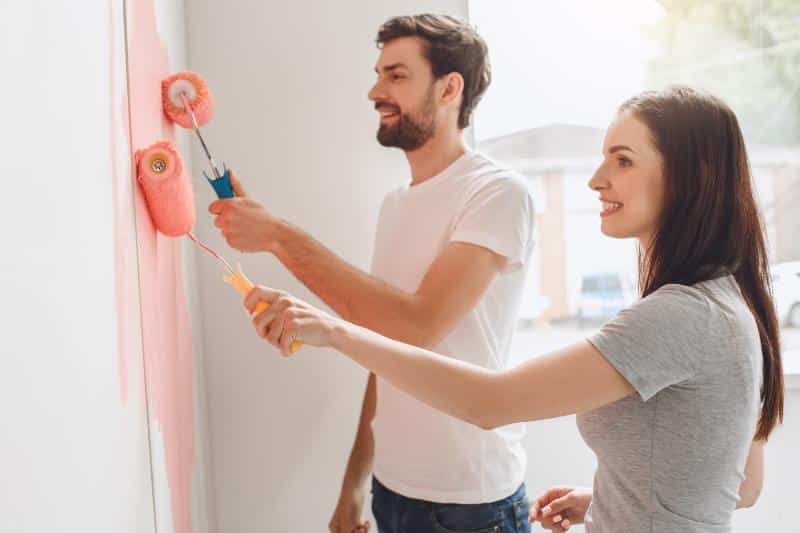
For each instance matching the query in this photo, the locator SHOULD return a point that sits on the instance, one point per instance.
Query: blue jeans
(395, 513)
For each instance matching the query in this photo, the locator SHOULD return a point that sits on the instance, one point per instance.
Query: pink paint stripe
(166, 335)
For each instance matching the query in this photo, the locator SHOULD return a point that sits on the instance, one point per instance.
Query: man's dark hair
(451, 45)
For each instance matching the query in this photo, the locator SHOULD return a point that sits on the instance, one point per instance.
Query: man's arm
(347, 517)
(360, 463)
(453, 284)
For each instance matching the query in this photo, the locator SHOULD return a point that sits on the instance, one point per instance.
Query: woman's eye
(624, 162)
(396, 77)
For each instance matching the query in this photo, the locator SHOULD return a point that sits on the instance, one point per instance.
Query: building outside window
(560, 70)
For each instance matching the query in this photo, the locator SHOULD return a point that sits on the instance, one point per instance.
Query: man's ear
(453, 87)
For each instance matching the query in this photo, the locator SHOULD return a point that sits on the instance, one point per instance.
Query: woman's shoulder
(681, 300)
(707, 308)
(705, 295)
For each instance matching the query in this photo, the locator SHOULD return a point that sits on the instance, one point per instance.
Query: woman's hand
(560, 507)
(288, 319)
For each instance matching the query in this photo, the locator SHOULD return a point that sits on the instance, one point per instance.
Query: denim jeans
(397, 514)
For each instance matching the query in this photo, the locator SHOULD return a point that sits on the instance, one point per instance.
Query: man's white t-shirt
(420, 452)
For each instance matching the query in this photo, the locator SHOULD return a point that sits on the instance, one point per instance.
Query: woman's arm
(575, 379)
(753, 481)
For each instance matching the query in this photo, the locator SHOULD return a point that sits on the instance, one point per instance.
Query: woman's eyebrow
(618, 147)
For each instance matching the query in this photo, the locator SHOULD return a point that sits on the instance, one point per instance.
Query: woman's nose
(598, 181)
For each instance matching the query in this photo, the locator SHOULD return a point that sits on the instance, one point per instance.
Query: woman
(675, 395)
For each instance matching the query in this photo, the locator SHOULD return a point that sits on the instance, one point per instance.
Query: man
(450, 258)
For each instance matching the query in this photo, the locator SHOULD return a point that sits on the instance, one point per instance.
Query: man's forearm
(359, 465)
(351, 293)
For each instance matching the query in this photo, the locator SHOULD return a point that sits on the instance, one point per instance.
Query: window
(561, 69)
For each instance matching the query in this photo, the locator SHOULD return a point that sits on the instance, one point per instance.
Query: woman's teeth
(610, 207)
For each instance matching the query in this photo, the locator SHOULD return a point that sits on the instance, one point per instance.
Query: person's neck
(435, 155)
(645, 242)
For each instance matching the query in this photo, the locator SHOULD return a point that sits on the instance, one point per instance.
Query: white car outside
(786, 291)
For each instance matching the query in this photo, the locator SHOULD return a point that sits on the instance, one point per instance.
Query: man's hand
(246, 225)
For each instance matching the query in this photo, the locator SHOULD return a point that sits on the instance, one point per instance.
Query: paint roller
(188, 102)
(170, 201)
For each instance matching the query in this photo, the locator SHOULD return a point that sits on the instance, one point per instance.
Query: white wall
(73, 444)
(290, 80)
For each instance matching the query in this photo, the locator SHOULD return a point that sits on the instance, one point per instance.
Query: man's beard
(411, 130)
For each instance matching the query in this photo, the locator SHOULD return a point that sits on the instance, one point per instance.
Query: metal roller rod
(188, 108)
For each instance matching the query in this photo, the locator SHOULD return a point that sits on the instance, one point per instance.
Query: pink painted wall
(166, 335)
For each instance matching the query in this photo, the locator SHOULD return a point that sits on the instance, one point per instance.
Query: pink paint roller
(187, 101)
(170, 201)
(167, 190)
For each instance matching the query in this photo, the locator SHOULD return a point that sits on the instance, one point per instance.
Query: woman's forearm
(575, 379)
(449, 385)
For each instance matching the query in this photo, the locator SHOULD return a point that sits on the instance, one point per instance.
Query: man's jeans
(397, 514)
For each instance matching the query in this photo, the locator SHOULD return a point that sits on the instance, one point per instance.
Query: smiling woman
(629, 178)
(560, 69)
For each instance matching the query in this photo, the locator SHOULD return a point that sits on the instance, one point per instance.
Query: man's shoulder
(391, 201)
(395, 192)
(486, 171)
(488, 176)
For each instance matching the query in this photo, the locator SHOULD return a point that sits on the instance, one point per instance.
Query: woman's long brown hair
(710, 223)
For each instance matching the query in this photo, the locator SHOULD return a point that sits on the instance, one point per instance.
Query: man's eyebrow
(393, 66)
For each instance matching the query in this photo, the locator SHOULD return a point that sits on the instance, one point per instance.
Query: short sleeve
(499, 216)
(383, 214)
(658, 342)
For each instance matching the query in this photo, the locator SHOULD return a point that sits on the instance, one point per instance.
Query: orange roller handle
(243, 285)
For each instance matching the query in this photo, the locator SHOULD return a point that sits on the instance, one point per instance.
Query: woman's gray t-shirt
(671, 458)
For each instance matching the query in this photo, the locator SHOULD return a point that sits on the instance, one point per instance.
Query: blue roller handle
(222, 185)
